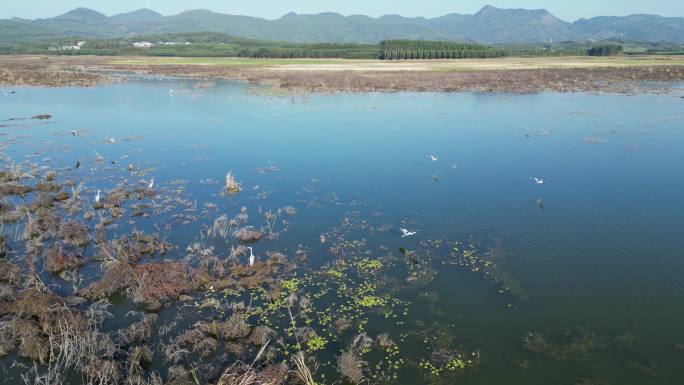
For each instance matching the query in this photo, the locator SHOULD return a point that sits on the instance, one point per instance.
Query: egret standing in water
(151, 183)
(97, 197)
(251, 257)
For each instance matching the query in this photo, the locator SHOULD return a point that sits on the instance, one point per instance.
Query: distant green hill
(490, 25)
(17, 31)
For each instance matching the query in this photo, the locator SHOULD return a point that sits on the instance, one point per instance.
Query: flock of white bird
(405, 233)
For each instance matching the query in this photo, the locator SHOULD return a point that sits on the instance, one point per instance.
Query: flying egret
(112, 140)
(251, 257)
(405, 233)
(433, 158)
(97, 197)
(538, 180)
(151, 185)
(73, 132)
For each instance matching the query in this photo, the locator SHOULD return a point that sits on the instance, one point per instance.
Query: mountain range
(489, 25)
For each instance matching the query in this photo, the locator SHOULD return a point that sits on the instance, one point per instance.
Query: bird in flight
(538, 180)
(405, 233)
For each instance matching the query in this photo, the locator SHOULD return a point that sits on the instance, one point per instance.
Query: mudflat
(627, 74)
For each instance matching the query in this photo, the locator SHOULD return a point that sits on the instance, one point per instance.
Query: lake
(576, 280)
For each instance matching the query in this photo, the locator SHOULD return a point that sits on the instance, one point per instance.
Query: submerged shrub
(350, 365)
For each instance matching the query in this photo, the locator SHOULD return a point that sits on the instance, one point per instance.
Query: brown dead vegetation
(88, 71)
(42, 71)
(74, 234)
(14, 189)
(9, 272)
(157, 283)
(234, 328)
(60, 257)
(262, 273)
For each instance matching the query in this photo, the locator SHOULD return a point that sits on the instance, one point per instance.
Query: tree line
(214, 44)
(605, 50)
(423, 49)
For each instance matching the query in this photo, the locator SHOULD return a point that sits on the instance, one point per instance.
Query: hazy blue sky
(568, 10)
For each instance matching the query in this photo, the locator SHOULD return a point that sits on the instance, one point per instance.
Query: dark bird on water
(78, 164)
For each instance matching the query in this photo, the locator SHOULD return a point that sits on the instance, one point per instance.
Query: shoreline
(508, 75)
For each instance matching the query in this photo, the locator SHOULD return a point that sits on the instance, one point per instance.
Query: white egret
(151, 185)
(97, 197)
(112, 140)
(433, 158)
(538, 180)
(251, 257)
(405, 233)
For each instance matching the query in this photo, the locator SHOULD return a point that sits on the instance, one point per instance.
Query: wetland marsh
(129, 213)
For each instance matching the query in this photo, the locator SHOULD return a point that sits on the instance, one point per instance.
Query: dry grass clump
(43, 224)
(75, 234)
(260, 335)
(197, 342)
(156, 283)
(248, 234)
(9, 272)
(26, 336)
(132, 248)
(14, 189)
(243, 374)
(262, 273)
(232, 185)
(234, 328)
(59, 257)
(138, 332)
(4, 249)
(151, 284)
(116, 197)
(47, 187)
(8, 214)
(10, 174)
(45, 330)
(117, 276)
(350, 365)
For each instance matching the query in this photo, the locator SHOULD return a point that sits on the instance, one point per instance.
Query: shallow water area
(576, 280)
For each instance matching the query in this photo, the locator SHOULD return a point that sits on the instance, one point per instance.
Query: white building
(142, 44)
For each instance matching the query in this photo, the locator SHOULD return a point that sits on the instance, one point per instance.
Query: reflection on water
(402, 238)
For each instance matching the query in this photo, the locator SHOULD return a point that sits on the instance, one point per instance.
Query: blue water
(597, 247)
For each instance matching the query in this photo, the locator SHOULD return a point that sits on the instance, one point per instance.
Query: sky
(271, 9)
